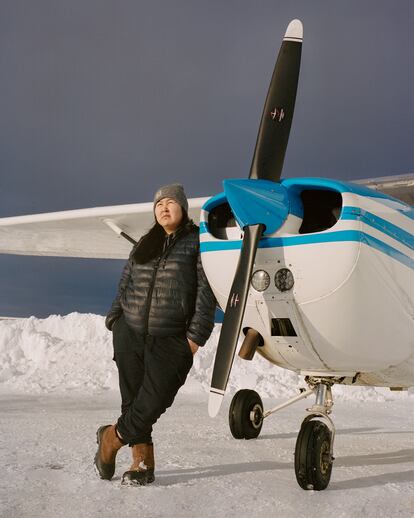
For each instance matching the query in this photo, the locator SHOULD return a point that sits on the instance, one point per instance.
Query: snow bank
(56, 354)
(74, 353)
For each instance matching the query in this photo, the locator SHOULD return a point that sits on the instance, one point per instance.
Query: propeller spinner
(267, 164)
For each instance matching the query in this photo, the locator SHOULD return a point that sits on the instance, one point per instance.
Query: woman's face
(168, 214)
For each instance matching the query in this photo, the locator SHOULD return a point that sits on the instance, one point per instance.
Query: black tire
(246, 415)
(313, 460)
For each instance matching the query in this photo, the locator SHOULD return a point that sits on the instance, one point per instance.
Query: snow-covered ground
(58, 384)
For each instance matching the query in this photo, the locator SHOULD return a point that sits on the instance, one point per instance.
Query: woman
(163, 312)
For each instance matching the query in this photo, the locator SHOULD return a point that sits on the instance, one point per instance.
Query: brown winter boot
(141, 471)
(108, 446)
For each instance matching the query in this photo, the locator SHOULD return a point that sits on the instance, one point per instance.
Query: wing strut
(113, 226)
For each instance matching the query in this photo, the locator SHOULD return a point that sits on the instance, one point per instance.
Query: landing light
(260, 280)
(284, 280)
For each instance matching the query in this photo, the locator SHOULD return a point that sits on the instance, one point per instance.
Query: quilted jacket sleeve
(202, 322)
(116, 310)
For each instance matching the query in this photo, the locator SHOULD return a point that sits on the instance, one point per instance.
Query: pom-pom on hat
(174, 191)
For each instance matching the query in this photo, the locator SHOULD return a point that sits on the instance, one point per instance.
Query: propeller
(267, 164)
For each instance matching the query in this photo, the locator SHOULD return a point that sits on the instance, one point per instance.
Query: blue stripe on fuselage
(307, 239)
(356, 213)
(203, 227)
(384, 226)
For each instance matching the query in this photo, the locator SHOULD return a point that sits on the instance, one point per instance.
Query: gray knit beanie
(174, 191)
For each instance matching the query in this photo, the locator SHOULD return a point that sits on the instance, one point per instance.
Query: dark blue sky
(102, 102)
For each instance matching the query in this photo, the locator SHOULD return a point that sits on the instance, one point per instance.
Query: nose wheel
(314, 445)
(313, 458)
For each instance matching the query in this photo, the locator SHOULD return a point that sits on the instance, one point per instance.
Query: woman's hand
(193, 346)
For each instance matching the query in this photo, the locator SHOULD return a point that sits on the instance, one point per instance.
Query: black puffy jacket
(168, 295)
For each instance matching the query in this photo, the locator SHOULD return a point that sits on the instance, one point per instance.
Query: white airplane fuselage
(351, 309)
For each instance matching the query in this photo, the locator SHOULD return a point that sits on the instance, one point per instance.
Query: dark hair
(151, 244)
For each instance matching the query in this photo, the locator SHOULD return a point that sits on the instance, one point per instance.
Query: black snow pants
(151, 371)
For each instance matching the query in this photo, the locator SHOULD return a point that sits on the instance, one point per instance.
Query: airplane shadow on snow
(344, 431)
(170, 478)
(389, 458)
(182, 476)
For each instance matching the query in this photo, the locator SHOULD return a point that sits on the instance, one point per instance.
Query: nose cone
(257, 201)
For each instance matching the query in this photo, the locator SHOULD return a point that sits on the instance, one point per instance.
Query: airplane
(316, 273)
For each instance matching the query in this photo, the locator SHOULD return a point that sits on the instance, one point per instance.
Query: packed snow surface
(58, 383)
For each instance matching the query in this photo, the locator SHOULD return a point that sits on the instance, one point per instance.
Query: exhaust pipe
(251, 342)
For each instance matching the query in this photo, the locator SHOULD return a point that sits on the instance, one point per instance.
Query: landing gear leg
(314, 445)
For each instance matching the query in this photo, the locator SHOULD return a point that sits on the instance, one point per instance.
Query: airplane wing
(94, 232)
(400, 187)
(91, 233)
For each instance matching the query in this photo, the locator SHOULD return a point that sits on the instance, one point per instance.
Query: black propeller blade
(267, 165)
(236, 304)
(277, 116)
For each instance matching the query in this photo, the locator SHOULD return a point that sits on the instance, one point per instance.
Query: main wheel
(246, 414)
(313, 459)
